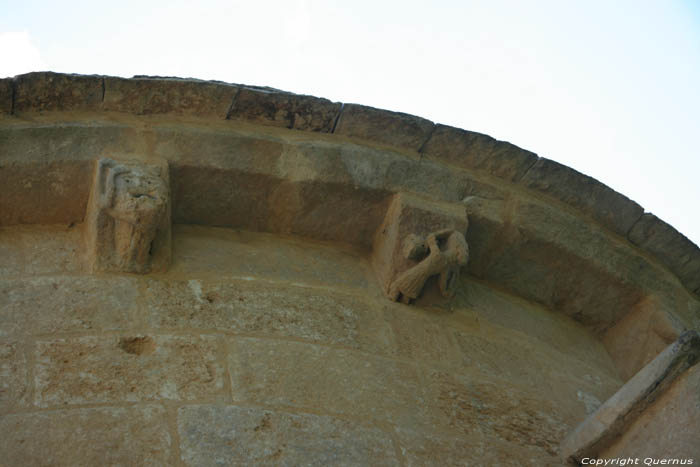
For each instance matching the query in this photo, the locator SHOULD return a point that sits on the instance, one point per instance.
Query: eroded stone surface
(29, 250)
(472, 150)
(283, 109)
(473, 407)
(321, 378)
(429, 449)
(44, 91)
(382, 126)
(267, 308)
(133, 367)
(101, 436)
(147, 96)
(14, 390)
(420, 335)
(43, 305)
(239, 435)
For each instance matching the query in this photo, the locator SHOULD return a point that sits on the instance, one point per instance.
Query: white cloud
(19, 54)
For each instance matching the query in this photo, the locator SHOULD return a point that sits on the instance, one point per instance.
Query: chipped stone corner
(128, 219)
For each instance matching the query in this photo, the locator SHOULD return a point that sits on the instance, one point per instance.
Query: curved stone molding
(441, 149)
(148, 96)
(128, 219)
(268, 106)
(382, 126)
(612, 209)
(47, 91)
(474, 151)
(670, 246)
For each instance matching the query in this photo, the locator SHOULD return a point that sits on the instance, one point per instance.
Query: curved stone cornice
(341, 158)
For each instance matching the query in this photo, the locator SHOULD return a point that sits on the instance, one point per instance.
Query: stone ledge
(671, 247)
(48, 91)
(612, 418)
(284, 109)
(612, 209)
(146, 96)
(382, 126)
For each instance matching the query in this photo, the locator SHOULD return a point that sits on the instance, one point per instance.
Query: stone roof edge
(142, 95)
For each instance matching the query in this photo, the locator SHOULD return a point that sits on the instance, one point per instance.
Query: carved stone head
(129, 218)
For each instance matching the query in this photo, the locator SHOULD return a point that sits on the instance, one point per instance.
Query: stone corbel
(420, 246)
(128, 223)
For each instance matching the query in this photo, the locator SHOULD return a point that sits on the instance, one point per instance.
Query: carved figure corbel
(442, 253)
(419, 239)
(129, 217)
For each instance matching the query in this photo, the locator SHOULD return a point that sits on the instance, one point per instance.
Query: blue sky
(608, 88)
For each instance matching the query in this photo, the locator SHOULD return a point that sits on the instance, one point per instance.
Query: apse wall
(261, 330)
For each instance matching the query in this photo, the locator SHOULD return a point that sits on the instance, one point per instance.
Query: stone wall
(260, 347)
(264, 334)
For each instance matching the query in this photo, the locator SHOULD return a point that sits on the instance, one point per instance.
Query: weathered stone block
(155, 95)
(128, 217)
(612, 209)
(100, 436)
(268, 309)
(46, 91)
(14, 390)
(476, 151)
(268, 106)
(383, 126)
(45, 193)
(6, 96)
(32, 250)
(322, 378)
(243, 436)
(431, 449)
(413, 227)
(43, 305)
(616, 414)
(470, 405)
(420, 335)
(129, 368)
(670, 247)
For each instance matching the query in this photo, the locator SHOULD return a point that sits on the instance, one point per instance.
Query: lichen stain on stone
(138, 345)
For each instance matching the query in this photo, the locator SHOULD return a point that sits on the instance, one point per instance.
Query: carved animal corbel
(442, 253)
